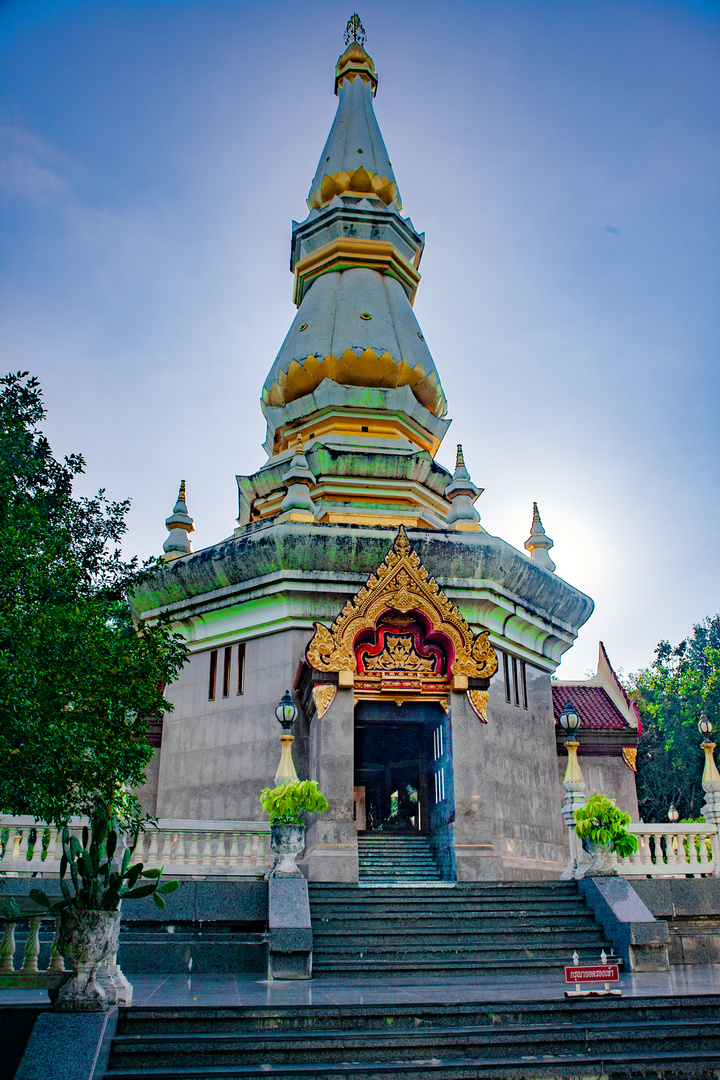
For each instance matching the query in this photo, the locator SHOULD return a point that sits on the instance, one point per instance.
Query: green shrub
(287, 802)
(602, 822)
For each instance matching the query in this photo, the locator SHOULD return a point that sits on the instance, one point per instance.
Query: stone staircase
(385, 858)
(470, 928)
(625, 1038)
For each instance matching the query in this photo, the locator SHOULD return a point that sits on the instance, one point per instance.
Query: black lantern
(286, 712)
(569, 719)
(705, 727)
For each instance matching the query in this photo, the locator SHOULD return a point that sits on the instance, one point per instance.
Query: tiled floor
(224, 990)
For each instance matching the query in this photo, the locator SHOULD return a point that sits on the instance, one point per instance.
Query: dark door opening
(390, 771)
(403, 773)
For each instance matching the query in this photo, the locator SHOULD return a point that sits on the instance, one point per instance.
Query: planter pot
(286, 841)
(86, 939)
(602, 860)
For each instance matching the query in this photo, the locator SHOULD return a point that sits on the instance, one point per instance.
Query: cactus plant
(98, 886)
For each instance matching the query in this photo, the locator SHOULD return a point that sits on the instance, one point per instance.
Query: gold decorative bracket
(323, 696)
(629, 756)
(479, 701)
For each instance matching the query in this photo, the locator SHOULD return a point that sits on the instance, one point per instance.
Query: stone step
(390, 937)
(383, 909)
(499, 1015)
(450, 917)
(617, 1044)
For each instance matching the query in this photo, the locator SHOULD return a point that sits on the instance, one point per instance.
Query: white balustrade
(30, 975)
(679, 850)
(187, 849)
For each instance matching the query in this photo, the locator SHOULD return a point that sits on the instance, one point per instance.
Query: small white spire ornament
(179, 526)
(298, 480)
(462, 493)
(539, 543)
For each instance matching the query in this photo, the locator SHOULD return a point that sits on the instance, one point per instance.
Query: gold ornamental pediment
(377, 636)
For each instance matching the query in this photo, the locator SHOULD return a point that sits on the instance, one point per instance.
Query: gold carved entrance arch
(401, 636)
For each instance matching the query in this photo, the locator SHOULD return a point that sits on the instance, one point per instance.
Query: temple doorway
(403, 770)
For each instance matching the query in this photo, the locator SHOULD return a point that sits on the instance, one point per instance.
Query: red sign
(592, 973)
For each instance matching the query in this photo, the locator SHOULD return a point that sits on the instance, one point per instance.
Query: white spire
(298, 480)
(462, 493)
(539, 543)
(179, 526)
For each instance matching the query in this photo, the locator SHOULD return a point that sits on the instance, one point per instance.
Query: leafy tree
(681, 683)
(78, 679)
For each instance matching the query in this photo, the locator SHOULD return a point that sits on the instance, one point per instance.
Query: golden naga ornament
(629, 756)
(401, 584)
(323, 696)
(479, 701)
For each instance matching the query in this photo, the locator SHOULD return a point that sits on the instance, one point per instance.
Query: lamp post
(711, 787)
(673, 813)
(574, 785)
(286, 713)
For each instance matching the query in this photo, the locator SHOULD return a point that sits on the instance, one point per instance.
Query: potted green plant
(600, 824)
(90, 911)
(285, 805)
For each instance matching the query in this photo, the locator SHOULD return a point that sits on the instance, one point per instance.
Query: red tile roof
(592, 705)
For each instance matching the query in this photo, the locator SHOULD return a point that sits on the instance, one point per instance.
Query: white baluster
(7, 947)
(17, 841)
(647, 860)
(56, 960)
(153, 852)
(193, 855)
(233, 858)
(247, 858)
(55, 851)
(208, 849)
(636, 858)
(32, 945)
(180, 847)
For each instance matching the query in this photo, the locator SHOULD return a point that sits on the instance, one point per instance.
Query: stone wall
(610, 776)
(691, 907)
(217, 755)
(505, 779)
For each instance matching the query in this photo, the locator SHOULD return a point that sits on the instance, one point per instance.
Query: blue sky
(562, 159)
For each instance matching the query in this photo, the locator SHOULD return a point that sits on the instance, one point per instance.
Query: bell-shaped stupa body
(354, 373)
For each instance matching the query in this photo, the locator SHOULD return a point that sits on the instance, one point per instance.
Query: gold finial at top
(355, 31)
(181, 494)
(299, 443)
(459, 460)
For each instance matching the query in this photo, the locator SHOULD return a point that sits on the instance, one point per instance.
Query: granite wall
(217, 755)
(505, 779)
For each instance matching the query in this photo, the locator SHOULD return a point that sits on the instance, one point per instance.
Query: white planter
(602, 865)
(86, 939)
(286, 841)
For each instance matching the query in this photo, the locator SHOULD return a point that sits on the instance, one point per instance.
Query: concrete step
(217, 1049)
(458, 920)
(649, 1037)
(149, 1019)
(431, 949)
(588, 936)
(662, 1065)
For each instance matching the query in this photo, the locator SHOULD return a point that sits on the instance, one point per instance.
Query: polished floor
(219, 991)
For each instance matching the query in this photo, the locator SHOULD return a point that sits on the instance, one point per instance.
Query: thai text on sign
(592, 973)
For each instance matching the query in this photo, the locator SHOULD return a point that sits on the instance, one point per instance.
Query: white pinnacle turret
(539, 543)
(179, 525)
(462, 493)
